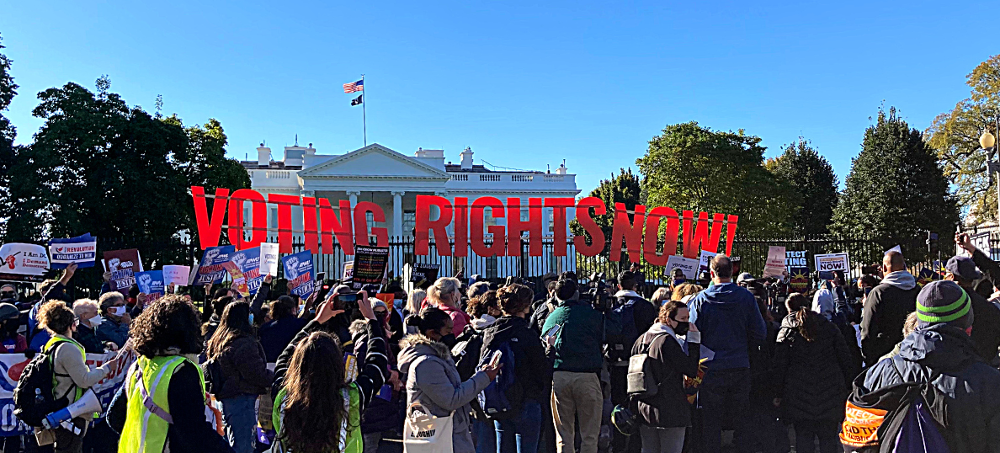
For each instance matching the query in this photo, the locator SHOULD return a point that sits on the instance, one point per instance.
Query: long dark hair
(315, 397)
(799, 307)
(235, 323)
(171, 322)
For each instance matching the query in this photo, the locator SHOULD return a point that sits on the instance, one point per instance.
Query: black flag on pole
(357, 101)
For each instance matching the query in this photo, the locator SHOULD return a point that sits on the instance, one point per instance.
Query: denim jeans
(661, 440)
(520, 434)
(722, 392)
(486, 436)
(240, 420)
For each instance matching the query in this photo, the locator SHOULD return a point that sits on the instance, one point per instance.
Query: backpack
(466, 352)
(620, 342)
(640, 382)
(212, 369)
(34, 396)
(503, 397)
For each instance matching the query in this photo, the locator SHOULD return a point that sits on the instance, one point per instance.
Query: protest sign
(794, 259)
(269, 259)
(151, 284)
(896, 249)
(775, 264)
(194, 274)
(982, 243)
(348, 271)
(211, 270)
(687, 265)
(387, 298)
(424, 272)
(13, 365)
(798, 279)
(123, 265)
(926, 276)
(248, 262)
(239, 280)
(832, 262)
(23, 262)
(175, 274)
(737, 264)
(81, 250)
(299, 272)
(704, 259)
(369, 266)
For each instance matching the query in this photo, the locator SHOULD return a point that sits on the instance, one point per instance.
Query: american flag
(354, 87)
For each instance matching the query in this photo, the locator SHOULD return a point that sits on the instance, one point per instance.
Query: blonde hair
(82, 304)
(445, 291)
(910, 324)
(416, 299)
(660, 296)
(685, 289)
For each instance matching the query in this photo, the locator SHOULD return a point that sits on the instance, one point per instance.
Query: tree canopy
(622, 188)
(814, 183)
(896, 189)
(693, 167)
(8, 89)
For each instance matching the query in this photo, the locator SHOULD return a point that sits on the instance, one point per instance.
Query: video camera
(596, 293)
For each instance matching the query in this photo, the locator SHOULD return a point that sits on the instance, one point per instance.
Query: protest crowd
(463, 365)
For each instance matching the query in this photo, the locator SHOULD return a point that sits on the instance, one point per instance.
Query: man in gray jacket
(886, 308)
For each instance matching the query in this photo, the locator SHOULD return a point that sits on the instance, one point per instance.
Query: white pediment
(373, 161)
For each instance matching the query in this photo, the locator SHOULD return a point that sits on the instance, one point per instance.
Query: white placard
(688, 265)
(775, 265)
(268, 259)
(704, 259)
(832, 262)
(175, 274)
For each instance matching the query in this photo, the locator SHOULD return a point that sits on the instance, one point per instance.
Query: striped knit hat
(944, 302)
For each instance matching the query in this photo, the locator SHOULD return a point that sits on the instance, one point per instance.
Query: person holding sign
(886, 308)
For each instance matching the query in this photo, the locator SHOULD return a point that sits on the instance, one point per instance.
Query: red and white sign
(23, 262)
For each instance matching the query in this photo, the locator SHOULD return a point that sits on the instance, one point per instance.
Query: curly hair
(56, 317)
(685, 289)
(314, 401)
(669, 311)
(514, 299)
(170, 322)
(482, 304)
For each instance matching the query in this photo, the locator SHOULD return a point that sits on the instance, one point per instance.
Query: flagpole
(364, 113)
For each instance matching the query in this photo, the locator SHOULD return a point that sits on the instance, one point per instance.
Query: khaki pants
(576, 396)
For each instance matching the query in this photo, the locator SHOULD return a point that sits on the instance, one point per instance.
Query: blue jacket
(729, 321)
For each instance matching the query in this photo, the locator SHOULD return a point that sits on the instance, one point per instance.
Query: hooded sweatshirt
(729, 321)
(886, 309)
(823, 304)
(433, 383)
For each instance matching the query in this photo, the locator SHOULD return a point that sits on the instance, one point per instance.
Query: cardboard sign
(239, 280)
(123, 265)
(369, 266)
(798, 279)
(269, 259)
(211, 269)
(705, 259)
(775, 264)
(424, 272)
(23, 262)
(795, 259)
(175, 274)
(248, 261)
(81, 250)
(151, 284)
(688, 265)
(832, 262)
(299, 272)
(896, 249)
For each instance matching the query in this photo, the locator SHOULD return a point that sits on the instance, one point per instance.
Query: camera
(346, 301)
(596, 293)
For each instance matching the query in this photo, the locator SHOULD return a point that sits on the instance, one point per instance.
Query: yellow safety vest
(50, 346)
(350, 430)
(148, 411)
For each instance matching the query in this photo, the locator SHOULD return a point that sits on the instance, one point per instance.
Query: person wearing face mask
(117, 320)
(446, 295)
(8, 294)
(674, 347)
(86, 311)
(432, 381)
(10, 322)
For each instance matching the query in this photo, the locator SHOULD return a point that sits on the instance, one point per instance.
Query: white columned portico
(353, 196)
(397, 213)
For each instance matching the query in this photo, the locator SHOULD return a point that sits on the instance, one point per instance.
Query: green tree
(896, 189)
(690, 167)
(814, 183)
(8, 89)
(623, 188)
(955, 136)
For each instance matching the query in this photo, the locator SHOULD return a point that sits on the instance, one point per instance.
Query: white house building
(393, 180)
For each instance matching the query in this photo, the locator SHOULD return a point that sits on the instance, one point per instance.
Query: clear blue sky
(524, 84)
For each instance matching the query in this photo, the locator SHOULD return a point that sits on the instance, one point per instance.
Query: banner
(832, 262)
(798, 279)
(688, 265)
(23, 262)
(123, 265)
(775, 264)
(176, 274)
(796, 259)
(737, 264)
(151, 284)
(424, 272)
(369, 266)
(248, 261)
(926, 276)
(12, 365)
(81, 250)
(211, 270)
(705, 259)
(299, 272)
(269, 259)
(982, 242)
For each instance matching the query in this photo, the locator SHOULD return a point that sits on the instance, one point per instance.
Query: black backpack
(620, 342)
(212, 369)
(34, 395)
(466, 352)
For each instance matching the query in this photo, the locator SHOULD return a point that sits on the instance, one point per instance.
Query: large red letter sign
(515, 227)
(209, 231)
(559, 206)
(424, 225)
(652, 233)
(630, 232)
(341, 228)
(587, 222)
(361, 211)
(285, 203)
(258, 216)
(477, 236)
(700, 239)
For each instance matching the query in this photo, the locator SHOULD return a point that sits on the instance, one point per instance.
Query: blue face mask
(679, 282)
(397, 304)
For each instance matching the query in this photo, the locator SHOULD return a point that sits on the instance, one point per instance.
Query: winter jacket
(71, 371)
(578, 342)
(469, 345)
(669, 408)
(541, 313)
(380, 414)
(826, 307)
(967, 403)
(113, 331)
(644, 314)
(531, 368)
(244, 369)
(886, 309)
(433, 383)
(985, 328)
(277, 334)
(88, 339)
(762, 388)
(459, 318)
(813, 377)
(730, 322)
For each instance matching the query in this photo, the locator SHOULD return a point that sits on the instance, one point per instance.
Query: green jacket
(579, 341)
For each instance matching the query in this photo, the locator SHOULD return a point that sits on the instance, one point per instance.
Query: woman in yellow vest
(315, 409)
(161, 406)
(69, 364)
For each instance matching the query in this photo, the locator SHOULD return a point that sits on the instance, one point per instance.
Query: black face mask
(682, 327)
(448, 340)
(8, 295)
